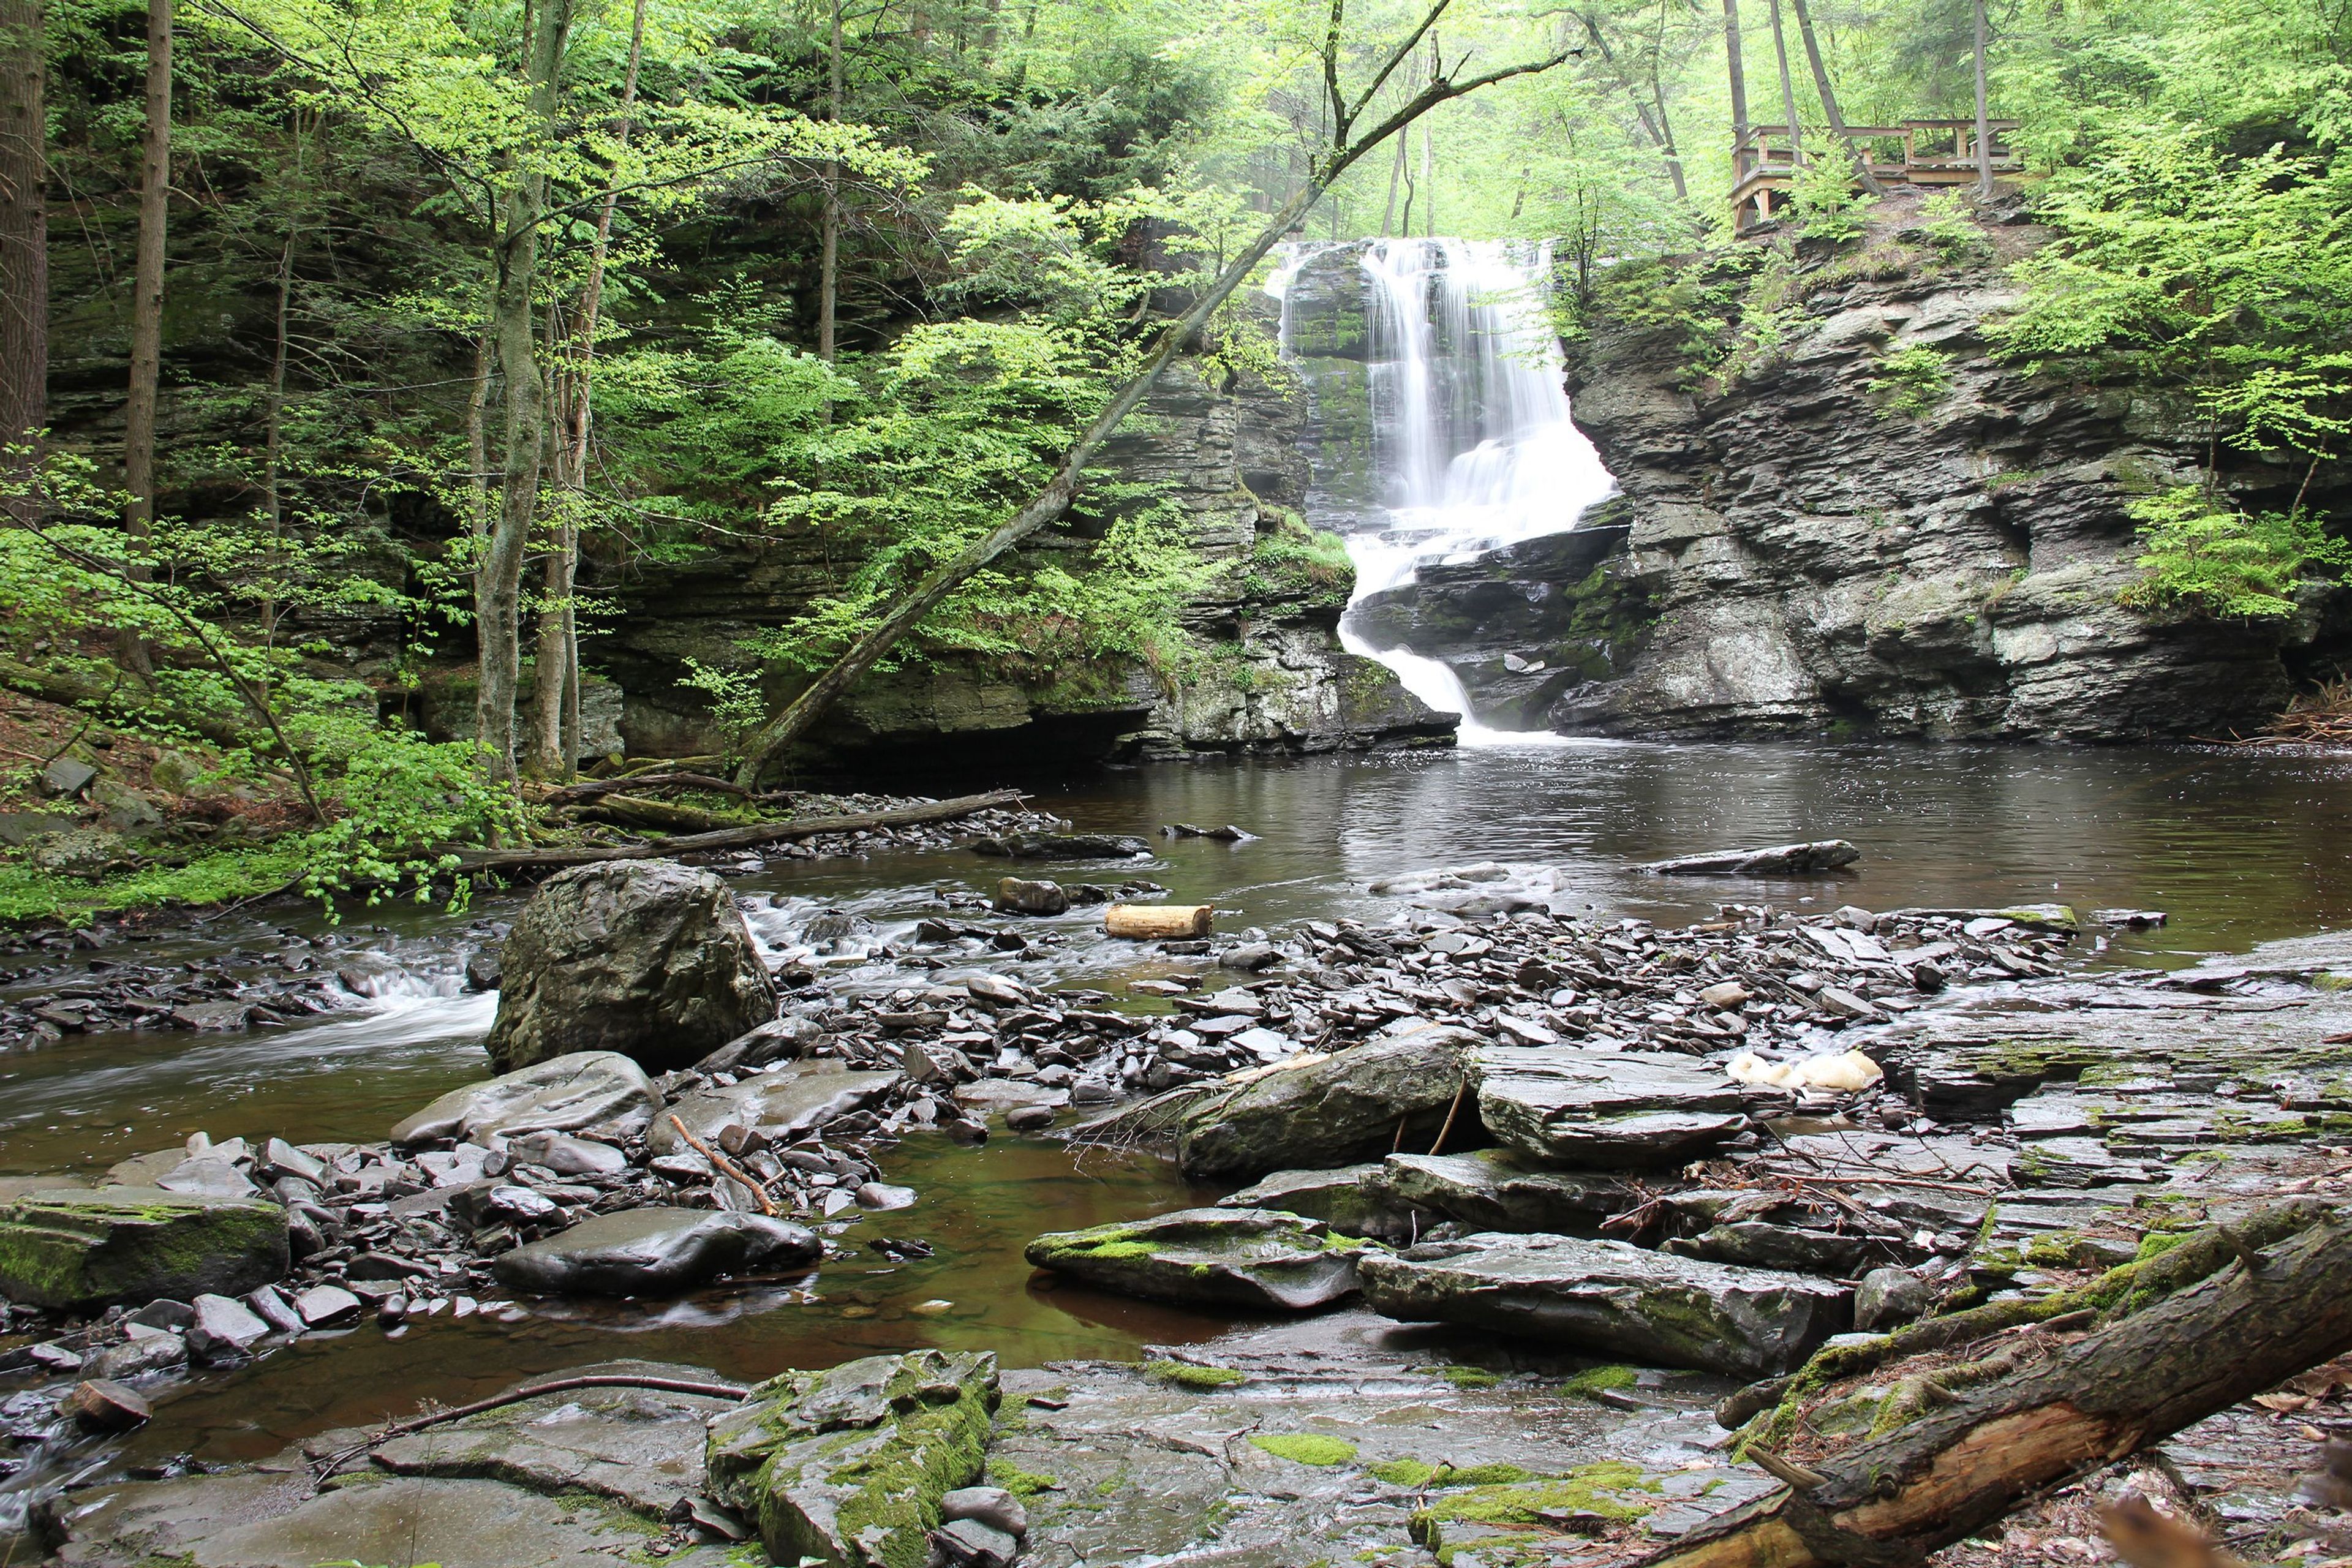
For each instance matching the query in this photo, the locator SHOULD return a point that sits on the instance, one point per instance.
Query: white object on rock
(1844, 1070)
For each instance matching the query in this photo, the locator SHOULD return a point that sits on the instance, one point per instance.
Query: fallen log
(1142, 922)
(742, 837)
(594, 789)
(655, 816)
(1893, 1499)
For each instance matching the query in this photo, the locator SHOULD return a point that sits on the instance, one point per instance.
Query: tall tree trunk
(1828, 102)
(273, 437)
(23, 232)
(1738, 72)
(1657, 130)
(828, 299)
(497, 590)
(1788, 90)
(147, 303)
(1984, 128)
(555, 708)
(1054, 500)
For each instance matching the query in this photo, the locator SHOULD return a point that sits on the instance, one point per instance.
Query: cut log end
(1144, 922)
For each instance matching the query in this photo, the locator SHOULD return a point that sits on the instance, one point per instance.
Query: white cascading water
(1471, 427)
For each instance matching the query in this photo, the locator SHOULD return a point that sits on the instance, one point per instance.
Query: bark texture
(23, 225)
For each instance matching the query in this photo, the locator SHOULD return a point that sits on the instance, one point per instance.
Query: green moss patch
(1306, 1447)
(1184, 1375)
(1595, 1381)
(1021, 1483)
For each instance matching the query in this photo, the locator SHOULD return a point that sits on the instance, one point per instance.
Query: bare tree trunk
(23, 232)
(273, 439)
(1984, 128)
(1657, 130)
(147, 303)
(1054, 500)
(1738, 72)
(555, 707)
(829, 243)
(498, 591)
(1788, 89)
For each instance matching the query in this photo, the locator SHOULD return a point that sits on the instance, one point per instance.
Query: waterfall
(1471, 435)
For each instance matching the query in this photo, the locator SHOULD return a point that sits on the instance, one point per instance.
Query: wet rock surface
(72, 1250)
(1234, 1258)
(1331, 1110)
(655, 1252)
(1606, 1298)
(649, 958)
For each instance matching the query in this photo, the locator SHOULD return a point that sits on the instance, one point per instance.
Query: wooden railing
(1916, 153)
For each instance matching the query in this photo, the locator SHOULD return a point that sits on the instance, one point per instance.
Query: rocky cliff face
(1270, 677)
(1807, 558)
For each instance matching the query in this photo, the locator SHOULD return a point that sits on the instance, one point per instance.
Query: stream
(2236, 847)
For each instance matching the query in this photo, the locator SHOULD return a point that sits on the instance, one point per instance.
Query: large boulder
(648, 958)
(75, 1250)
(848, 1467)
(1490, 1190)
(1218, 1257)
(1606, 1298)
(562, 1094)
(655, 1252)
(1342, 1199)
(784, 1105)
(1330, 1110)
(1564, 1105)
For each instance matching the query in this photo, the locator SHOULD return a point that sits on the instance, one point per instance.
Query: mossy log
(2261, 1318)
(742, 838)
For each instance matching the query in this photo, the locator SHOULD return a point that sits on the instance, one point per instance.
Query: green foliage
(2218, 560)
(1911, 381)
(1827, 205)
(738, 706)
(1946, 222)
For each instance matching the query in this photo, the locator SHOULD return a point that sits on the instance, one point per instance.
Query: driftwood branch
(637, 784)
(743, 837)
(727, 1168)
(1962, 1466)
(341, 1457)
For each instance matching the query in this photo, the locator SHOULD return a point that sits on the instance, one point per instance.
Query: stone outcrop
(1256, 1259)
(1566, 1105)
(1810, 559)
(851, 1466)
(72, 1249)
(648, 958)
(1611, 1299)
(1328, 1110)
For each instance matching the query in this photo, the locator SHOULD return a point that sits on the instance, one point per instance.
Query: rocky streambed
(1586, 1177)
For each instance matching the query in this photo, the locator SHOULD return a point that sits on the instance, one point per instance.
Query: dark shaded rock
(1609, 1299)
(1062, 845)
(784, 1104)
(1563, 1105)
(968, 1543)
(1019, 896)
(483, 969)
(223, 1329)
(66, 775)
(1490, 1190)
(655, 1252)
(778, 1039)
(1886, 1297)
(852, 1464)
(563, 1094)
(1334, 1111)
(1779, 860)
(1221, 1258)
(75, 1250)
(648, 958)
(104, 1405)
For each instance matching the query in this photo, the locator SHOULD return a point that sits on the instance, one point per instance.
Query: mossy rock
(847, 1467)
(76, 1250)
(1252, 1258)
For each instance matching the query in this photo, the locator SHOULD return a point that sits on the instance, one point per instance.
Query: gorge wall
(1804, 557)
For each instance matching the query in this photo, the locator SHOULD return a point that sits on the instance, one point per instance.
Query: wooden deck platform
(1916, 153)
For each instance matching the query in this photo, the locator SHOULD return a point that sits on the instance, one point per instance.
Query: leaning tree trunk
(1828, 102)
(1054, 500)
(1788, 91)
(2263, 1318)
(24, 239)
(497, 592)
